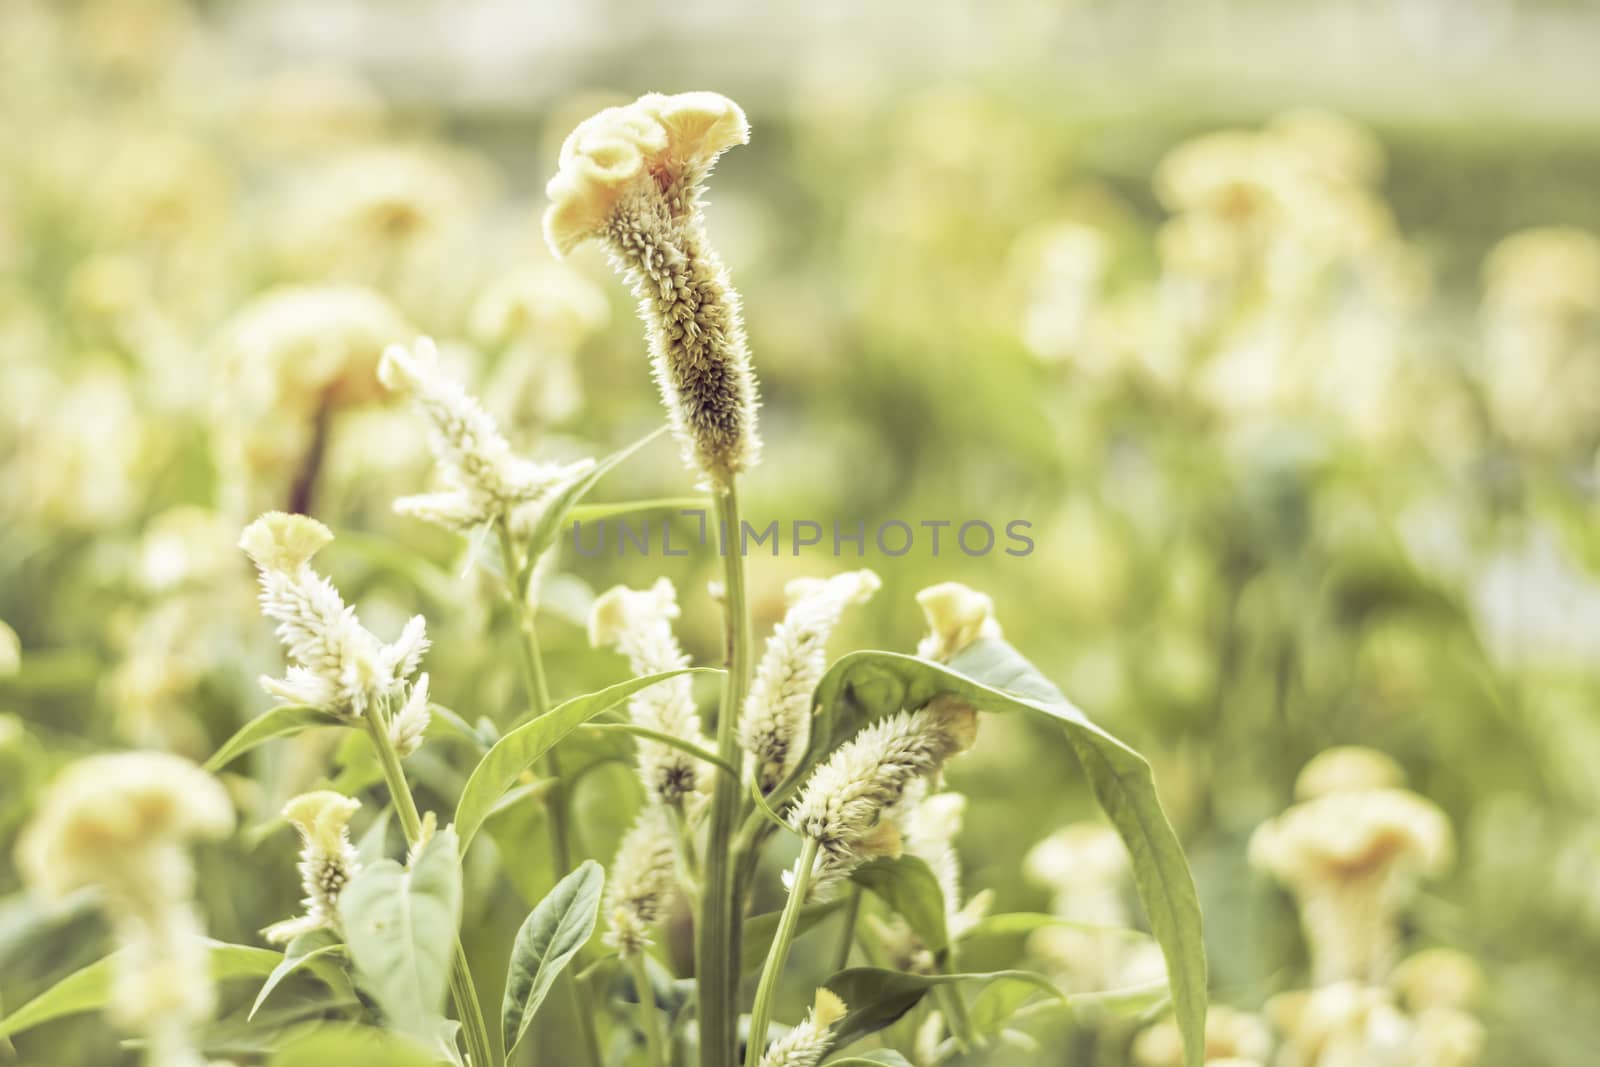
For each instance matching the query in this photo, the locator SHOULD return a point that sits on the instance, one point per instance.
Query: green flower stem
(718, 932)
(847, 938)
(761, 1014)
(649, 1017)
(538, 690)
(462, 990)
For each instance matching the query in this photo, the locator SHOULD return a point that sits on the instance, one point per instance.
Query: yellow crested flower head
(278, 541)
(659, 141)
(322, 817)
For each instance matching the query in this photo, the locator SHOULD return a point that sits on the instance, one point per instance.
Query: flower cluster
(334, 662)
(327, 860)
(643, 881)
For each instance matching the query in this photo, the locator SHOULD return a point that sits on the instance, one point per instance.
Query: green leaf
(561, 502)
(875, 998)
(303, 951)
(284, 720)
(759, 930)
(878, 1057)
(88, 989)
(520, 747)
(551, 935)
(596, 512)
(400, 924)
(1022, 923)
(993, 676)
(346, 1045)
(908, 885)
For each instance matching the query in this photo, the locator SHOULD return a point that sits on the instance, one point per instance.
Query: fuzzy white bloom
(335, 663)
(1354, 860)
(638, 623)
(848, 803)
(327, 860)
(776, 725)
(631, 177)
(485, 479)
(410, 723)
(957, 616)
(644, 877)
(1345, 1024)
(123, 823)
(1232, 1037)
(806, 1044)
(1438, 978)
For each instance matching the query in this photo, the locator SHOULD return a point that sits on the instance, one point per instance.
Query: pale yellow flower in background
(1232, 1037)
(10, 651)
(537, 316)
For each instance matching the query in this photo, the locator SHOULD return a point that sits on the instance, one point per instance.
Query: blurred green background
(1308, 448)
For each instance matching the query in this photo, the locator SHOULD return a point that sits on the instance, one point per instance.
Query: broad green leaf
(400, 924)
(993, 676)
(301, 952)
(520, 747)
(281, 721)
(875, 998)
(88, 989)
(909, 886)
(759, 930)
(551, 935)
(342, 1045)
(561, 502)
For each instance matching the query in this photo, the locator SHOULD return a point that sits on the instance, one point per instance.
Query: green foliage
(549, 938)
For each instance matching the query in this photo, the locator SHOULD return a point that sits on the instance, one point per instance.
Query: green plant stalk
(649, 1017)
(538, 690)
(848, 936)
(717, 934)
(462, 990)
(761, 1014)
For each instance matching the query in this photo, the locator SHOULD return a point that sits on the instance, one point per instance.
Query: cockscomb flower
(806, 1044)
(776, 725)
(638, 623)
(847, 804)
(327, 860)
(631, 178)
(1354, 860)
(1232, 1037)
(1438, 978)
(123, 823)
(957, 616)
(334, 663)
(643, 881)
(1347, 769)
(410, 723)
(486, 480)
(1345, 1024)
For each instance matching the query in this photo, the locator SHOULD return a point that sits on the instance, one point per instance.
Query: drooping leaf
(400, 924)
(303, 951)
(561, 502)
(875, 998)
(759, 930)
(345, 1045)
(878, 1057)
(88, 989)
(993, 676)
(908, 885)
(522, 746)
(549, 938)
(285, 720)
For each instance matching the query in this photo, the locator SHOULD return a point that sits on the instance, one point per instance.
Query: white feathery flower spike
(644, 877)
(848, 803)
(776, 725)
(334, 663)
(485, 479)
(638, 623)
(327, 860)
(806, 1044)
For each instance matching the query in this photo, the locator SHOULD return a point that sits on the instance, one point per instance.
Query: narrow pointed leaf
(301, 952)
(522, 746)
(564, 499)
(285, 720)
(550, 937)
(875, 998)
(88, 989)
